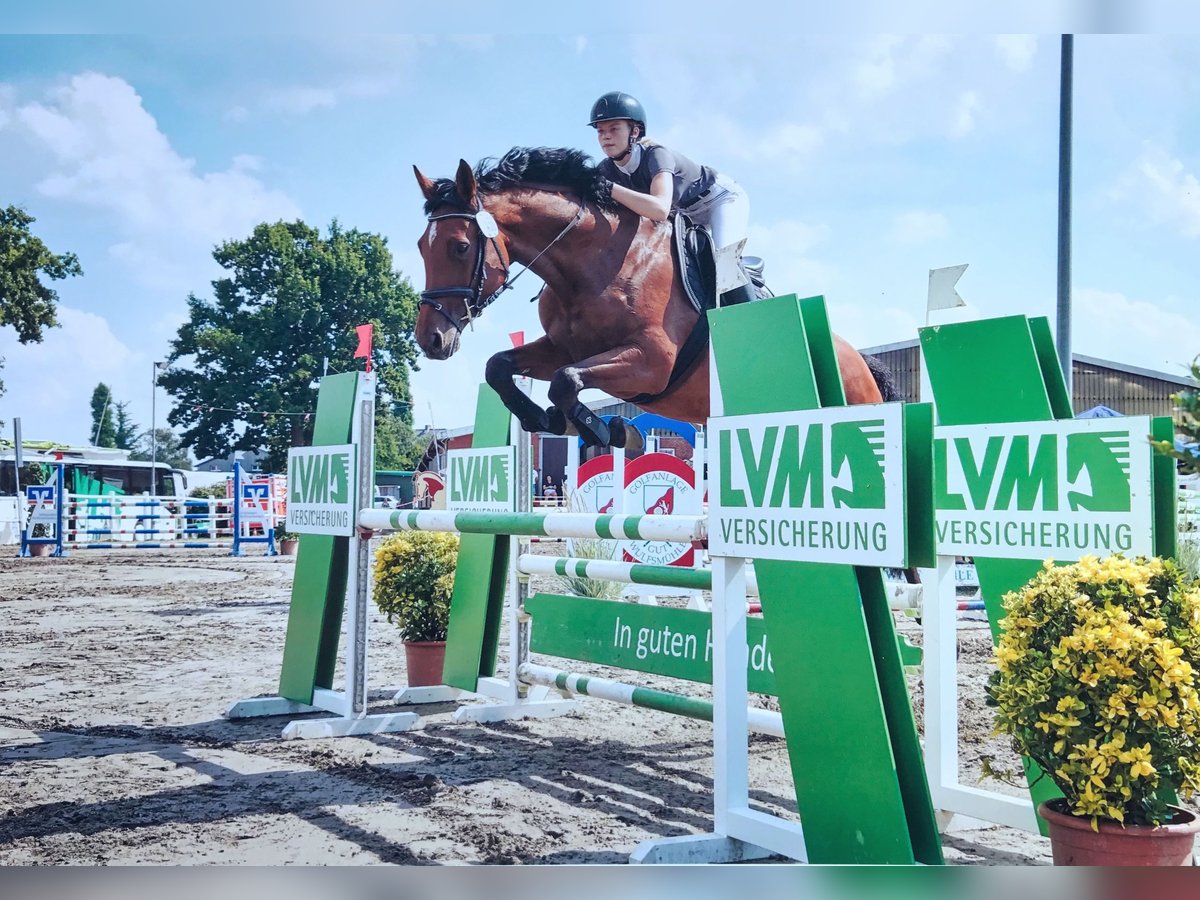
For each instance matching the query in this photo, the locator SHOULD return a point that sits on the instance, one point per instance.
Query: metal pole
(1064, 209)
(18, 461)
(153, 424)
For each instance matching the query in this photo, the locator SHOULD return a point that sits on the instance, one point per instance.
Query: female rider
(652, 180)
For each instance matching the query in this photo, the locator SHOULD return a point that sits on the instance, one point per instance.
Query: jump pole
(761, 720)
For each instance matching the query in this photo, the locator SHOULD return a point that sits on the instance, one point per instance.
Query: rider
(652, 180)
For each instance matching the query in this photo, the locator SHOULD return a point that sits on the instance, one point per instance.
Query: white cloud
(869, 326)
(49, 385)
(299, 100)
(877, 74)
(1110, 325)
(918, 226)
(1162, 188)
(8, 96)
(1174, 194)
(1017, 50)
(715, 138)
(478, 43)
(789, 139)
(964, 117)
(786, 249)
(107, 152)
(892, 61)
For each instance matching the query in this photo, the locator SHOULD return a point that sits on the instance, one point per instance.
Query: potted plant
(414, 579)
(288, 540)
(1097, 673)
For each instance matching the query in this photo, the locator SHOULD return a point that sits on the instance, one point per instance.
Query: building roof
(1181, 380)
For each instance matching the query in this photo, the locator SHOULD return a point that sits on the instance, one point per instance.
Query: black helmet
(618, 105)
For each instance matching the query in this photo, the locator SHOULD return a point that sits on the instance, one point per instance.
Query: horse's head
(466, 261)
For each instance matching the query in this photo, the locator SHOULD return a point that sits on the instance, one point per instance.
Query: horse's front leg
(624, 371)
(538, 359)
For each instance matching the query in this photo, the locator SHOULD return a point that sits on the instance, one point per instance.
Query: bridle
(476, 302)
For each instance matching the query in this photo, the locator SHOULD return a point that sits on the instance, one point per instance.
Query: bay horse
(613, 307)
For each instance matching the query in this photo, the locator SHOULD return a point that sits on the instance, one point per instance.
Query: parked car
(383, 502)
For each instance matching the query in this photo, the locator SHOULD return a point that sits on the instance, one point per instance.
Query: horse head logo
(1104, 456)
(857, 446)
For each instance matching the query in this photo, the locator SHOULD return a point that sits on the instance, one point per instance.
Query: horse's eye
(461, 247)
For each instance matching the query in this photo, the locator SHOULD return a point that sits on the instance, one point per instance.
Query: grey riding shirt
(689, 180)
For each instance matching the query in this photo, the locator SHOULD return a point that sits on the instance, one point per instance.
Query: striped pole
(664, 701)
(902, 595)
(625, 573)
(676, 529)
(153, 545)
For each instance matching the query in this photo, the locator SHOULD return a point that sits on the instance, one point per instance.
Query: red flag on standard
(364, 343)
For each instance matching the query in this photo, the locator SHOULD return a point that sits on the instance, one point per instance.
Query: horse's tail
(883, 378)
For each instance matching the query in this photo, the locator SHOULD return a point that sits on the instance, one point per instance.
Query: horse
(613, 306)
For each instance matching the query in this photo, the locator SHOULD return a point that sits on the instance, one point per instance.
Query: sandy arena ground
(115, 669)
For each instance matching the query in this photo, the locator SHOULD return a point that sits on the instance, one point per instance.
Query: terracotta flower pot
(1073, 842)
(424, 660)
(288, 547)
(40, 549)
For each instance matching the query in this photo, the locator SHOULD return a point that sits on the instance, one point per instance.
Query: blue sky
(868, 160)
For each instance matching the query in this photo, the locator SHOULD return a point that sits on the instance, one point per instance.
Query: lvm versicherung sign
(821, 485)
(1030, 490)
(320, 499)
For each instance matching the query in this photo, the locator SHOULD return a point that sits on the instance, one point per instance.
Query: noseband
(476, 303)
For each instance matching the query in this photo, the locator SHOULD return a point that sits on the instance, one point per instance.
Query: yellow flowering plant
(1096, 682)
(414, 579)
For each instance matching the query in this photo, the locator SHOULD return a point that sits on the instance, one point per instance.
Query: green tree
(103, 433)
(242, 366)
(126, 431)
(26, 303)
(397, 445)
(167, 447)
(1187, 424)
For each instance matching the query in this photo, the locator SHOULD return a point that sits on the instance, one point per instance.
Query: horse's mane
(558, 167)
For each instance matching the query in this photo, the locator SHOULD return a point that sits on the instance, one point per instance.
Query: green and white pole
(901, 596)
(625, 573)
(677, 529)
(761, 720)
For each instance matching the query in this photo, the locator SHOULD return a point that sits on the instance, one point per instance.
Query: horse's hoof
(622, 434)
(556, 422)
(617, 432)
(535, 422)
(593, 429)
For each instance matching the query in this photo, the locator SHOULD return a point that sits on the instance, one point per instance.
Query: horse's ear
(425, 184)
(464, 180)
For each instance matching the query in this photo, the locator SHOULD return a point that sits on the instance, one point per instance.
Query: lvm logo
(320, 489)
(821, 485)
(482, 480)
(1039, 489)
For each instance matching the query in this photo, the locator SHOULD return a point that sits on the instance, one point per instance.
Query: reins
(476, 303)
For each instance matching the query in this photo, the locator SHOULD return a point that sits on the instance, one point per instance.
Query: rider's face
(613, 136)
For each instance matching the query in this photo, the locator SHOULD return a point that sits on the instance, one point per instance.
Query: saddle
(697, 259)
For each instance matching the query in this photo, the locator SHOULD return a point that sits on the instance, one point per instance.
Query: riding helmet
(618, 105)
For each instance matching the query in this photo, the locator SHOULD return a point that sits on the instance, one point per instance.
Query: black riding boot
(743, 294)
